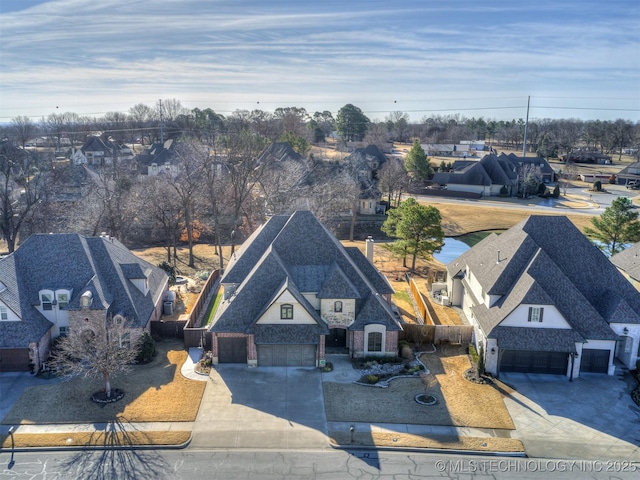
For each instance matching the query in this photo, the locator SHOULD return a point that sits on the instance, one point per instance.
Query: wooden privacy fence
(425, 310)
(198, 336)
(436, 334)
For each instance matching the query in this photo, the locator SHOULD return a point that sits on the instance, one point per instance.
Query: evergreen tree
(417, 164)
(617, 225)
(417, 228)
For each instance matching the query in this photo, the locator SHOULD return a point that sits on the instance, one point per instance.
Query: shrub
(504, 191)
(597, 186)
(556, 191)
(480, 363)
(147, 349)
(473, 353)
(372, 379)
(171, 271)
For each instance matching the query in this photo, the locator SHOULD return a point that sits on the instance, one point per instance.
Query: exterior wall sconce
(625, 330)
(493, 351)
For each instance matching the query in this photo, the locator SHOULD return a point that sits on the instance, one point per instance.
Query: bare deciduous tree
(101, 349)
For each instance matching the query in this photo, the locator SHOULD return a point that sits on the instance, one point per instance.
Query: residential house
(628, 262)
(544, 299)
(365, 163)
(587, 156)
(293, 291)
(100, 152)
(629, 174)
(55, 283)
(158, 159)
(490, 175)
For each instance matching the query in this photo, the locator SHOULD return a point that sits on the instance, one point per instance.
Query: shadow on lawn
(117, 460)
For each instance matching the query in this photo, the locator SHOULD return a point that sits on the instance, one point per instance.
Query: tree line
(224, 188)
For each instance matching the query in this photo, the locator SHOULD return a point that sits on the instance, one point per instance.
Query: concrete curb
(77, 448)
(428, 450)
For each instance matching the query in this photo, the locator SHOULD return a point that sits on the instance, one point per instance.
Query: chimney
(369, 249)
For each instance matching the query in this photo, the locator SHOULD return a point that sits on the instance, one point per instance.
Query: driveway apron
(263, 407)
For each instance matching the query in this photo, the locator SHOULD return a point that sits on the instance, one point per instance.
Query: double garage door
(286, 355)
(523, 361)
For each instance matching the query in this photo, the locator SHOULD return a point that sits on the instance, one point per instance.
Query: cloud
(290, 51)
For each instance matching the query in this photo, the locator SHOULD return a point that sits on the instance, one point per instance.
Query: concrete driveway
(266, 407)
(592, 417)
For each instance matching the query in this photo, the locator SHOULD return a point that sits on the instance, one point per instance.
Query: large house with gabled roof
(293, 291)
(54, 283)
(544, 299)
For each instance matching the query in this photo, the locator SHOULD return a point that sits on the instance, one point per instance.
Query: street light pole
(13, 446)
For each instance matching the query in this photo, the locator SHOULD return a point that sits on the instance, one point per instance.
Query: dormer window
(63, 300)
(47, 301)
(286, 311)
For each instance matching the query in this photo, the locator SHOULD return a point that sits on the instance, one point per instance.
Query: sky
(477, 58)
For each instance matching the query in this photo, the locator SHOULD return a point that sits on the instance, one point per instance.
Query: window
(64, 331)
(286, 312)
(46, 301)
(125, 340)
(337, 307)
(63, 300)
(535, 314)
(374, 342)
(4, 314)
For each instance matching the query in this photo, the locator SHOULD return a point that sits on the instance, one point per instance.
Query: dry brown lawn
(156, 392)
(460, 402)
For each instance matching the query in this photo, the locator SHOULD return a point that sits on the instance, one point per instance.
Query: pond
(451, 250)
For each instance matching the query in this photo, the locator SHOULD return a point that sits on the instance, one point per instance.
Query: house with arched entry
(294, 291)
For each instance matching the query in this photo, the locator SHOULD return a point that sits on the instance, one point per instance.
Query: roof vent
(499, 259)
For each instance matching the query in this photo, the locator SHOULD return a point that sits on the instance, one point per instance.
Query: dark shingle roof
(546, 260)
(77, 263)
(628, 261)
(541, 339)
(298, 252)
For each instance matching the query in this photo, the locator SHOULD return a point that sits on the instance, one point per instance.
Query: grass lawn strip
(155, 392)
(406, 440)
(95, 439)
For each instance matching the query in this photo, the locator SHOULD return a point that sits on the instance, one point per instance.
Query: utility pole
(161, 122)
(526, 127)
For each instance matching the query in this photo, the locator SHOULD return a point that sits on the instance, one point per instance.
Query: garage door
(14, 360)
(232, 350)
(594, 360)
(554, 363)
(287, 355)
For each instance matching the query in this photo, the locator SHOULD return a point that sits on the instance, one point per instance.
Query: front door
(337, 338)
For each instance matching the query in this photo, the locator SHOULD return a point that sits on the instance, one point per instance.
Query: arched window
(337, 307)
(286, 311)
(374, 342)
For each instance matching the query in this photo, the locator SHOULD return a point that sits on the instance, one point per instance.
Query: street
(296, 464)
